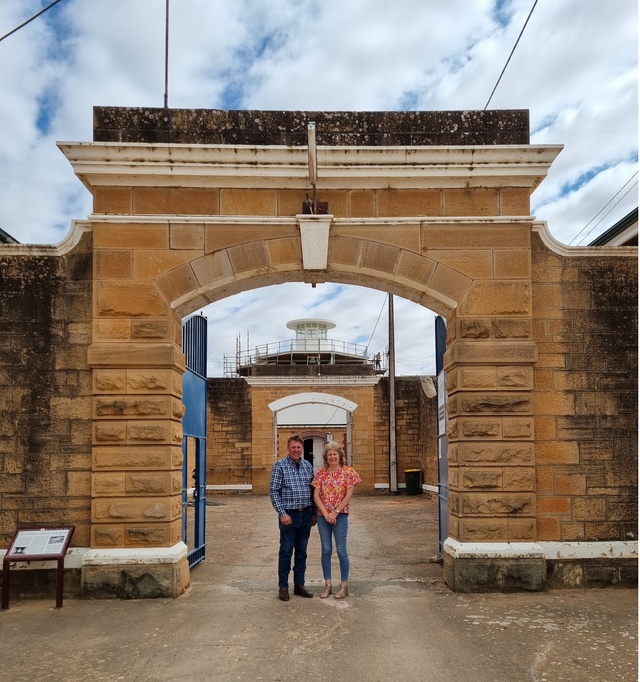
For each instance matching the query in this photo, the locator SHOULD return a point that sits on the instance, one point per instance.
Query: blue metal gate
(194, 440)
(443, 442)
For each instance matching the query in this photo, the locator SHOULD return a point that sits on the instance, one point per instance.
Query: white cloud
(575, 70)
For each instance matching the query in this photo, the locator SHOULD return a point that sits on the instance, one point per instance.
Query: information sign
(37, 544)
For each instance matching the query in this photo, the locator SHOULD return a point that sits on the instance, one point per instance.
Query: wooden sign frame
(37, 543)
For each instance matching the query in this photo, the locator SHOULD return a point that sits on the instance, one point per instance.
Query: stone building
(322, 389)
(190, 207)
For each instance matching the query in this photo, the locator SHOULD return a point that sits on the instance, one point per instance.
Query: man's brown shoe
(283, 594)
(301, 591)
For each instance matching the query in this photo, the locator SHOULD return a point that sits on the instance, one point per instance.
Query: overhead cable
(24, 23)
(605, 206)
(378, 320)
(511, 55)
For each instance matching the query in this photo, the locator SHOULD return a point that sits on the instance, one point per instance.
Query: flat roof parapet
(289, 128)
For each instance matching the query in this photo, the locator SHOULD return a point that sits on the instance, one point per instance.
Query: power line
(511, 55)
(24, 23)
(635, 184)
(378, 320)
(605, 206)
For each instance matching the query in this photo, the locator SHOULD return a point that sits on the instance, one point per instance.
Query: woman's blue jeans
(339, 532)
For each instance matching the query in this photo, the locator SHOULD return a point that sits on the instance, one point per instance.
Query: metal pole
(313, 160)
(166, 56)
(393, 455)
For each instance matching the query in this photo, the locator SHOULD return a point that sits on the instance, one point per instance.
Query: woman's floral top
(334, 484)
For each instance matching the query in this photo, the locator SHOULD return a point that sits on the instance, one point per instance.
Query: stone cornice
(71, 240)
(542, 229)
(165, 165)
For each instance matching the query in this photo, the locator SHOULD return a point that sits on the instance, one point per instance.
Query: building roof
(623, 233)
(6, 238)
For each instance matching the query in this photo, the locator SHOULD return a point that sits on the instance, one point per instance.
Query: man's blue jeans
(339, 532)
(294, 539)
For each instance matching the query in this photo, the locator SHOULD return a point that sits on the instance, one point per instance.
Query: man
(291, 496)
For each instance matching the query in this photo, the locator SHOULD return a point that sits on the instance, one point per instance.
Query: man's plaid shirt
(290, 485)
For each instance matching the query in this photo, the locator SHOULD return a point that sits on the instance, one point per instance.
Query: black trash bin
(413, 481)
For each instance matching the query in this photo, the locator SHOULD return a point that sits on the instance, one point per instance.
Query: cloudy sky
(574, 68)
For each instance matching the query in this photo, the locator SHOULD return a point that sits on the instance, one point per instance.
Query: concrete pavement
(400, 623)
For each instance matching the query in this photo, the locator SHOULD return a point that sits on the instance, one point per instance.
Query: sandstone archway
(191, 207)
(443, 227)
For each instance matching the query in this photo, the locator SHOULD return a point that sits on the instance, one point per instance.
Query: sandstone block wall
(229, 449)
(585, 325)
(45, 390)
(416, 446)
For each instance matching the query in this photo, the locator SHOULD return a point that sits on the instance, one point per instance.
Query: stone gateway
(191, 206)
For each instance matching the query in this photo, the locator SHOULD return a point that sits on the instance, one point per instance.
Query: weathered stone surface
(498, 298)
(215, 126)
(518, 478)
(139, 581)
(495, 403)
(511, 328)
(497, 504)
(475, 329)
(132, 407)
(148, 381)
(108, 484)
(147, 536)
(481, 479)
(150, 329)
(129, 299)
(109, 381)
(484, 530)
(499, 453)
(477, 428)
(494, 575)
(149, 483)
(158, 432)
(516, 377)
(107, 536)
(132, 509)
(138, 457)
(517, 428)
(109, 432)
(473, 378)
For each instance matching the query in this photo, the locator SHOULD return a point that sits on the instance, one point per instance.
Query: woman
(334, 485)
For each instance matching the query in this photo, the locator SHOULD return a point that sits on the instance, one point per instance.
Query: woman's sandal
(342, 592)
(327, 591)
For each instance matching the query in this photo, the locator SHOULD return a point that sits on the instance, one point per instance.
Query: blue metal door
(194, 440)
(443, 463)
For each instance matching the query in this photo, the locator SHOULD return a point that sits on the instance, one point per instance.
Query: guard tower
(310, 353)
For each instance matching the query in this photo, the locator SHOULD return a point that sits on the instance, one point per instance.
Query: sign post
(37, 544)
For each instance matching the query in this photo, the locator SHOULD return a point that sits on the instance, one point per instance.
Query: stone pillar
(137, 365)
(489, 365)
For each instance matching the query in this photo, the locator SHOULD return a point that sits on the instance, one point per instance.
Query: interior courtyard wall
(229, 432)
(229, 435)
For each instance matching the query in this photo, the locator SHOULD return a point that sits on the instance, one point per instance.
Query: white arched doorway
(318, 413)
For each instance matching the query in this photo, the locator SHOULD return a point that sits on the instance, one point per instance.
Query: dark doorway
(308, 450)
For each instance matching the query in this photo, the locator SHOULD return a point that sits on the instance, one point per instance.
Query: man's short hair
(295, 438)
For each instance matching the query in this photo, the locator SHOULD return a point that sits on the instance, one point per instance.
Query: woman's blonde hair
(332, 445)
